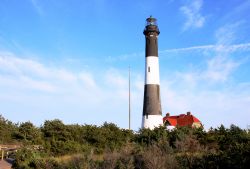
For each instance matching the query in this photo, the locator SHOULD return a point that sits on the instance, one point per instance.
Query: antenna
(129, 106)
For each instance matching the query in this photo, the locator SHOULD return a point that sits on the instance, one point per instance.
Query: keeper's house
(181, 120)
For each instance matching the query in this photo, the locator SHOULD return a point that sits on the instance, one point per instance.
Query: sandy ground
(5, 164)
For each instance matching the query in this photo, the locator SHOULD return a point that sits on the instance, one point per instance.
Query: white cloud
(211, 90)
(219, 69)
(35, 75)
(218, 63)
(221, 66)
(215, 47)
(52, 92)
(17, 66)
(28, 82)
(88, 80)
(226, 34)
(192, 12)
(20, 72)
(115, 78)
(213, 107)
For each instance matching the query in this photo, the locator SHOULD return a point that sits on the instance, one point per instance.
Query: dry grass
(66, 158)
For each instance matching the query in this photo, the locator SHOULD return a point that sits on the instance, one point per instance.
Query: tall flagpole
(129, 106)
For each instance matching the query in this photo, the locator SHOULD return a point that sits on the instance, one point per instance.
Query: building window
(148, 69)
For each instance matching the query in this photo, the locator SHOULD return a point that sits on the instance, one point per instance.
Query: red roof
(181, 120)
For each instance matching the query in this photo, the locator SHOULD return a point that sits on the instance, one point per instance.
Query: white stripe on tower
(152, 70)
(152, 121)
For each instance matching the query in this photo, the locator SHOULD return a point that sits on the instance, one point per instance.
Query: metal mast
(129, 104)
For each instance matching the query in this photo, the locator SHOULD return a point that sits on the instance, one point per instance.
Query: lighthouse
(152, 114)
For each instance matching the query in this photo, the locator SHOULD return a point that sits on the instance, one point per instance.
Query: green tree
(7, 130)
(147, 137)
(28, 133)
(55, 129)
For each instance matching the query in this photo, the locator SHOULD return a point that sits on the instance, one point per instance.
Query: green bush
(108, 146)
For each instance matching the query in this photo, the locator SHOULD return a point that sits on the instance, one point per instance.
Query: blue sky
(69, 60)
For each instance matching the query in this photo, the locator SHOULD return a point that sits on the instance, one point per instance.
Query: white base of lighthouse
(152, 121)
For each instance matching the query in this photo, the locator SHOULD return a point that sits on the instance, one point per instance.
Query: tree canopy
(108, 146)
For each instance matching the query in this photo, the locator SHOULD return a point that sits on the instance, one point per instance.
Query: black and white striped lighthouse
(152, 114)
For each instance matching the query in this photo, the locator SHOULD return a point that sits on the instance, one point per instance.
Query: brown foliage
(122, 159)
(158, 157)
(189, 144)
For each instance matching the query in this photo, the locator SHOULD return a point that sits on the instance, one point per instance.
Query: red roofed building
(181, 120)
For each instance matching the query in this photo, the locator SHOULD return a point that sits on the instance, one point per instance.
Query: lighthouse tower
(152, 114)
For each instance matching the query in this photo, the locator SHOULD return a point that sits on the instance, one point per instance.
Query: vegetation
(55, 145)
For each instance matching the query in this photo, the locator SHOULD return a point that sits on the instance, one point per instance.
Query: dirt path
(5, 164)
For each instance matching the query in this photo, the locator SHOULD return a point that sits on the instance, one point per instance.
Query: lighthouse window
(158, 93)
(148, 69)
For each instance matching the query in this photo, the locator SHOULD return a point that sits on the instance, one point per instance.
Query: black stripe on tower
(151, 46)
(151, 33)
(152, 102)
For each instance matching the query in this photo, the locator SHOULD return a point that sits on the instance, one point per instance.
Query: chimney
(168, 114)
(188, 113)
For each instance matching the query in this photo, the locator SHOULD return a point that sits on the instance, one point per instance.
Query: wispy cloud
(41, 88)
(192, 12)
(33, 74)
(85, 96)
(212, 107)
(221, 66)
(226, 34)
(219, 69)
(225, 37)
(37, 7)
(211, 89)
(219, 63)
(214, 47)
